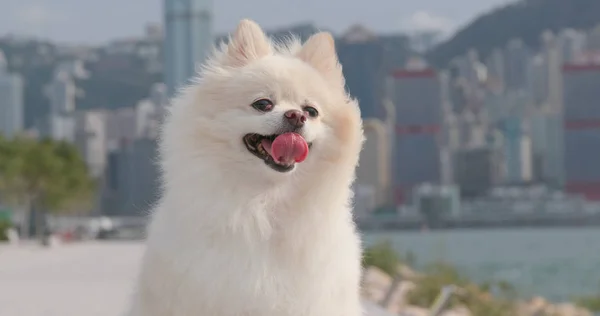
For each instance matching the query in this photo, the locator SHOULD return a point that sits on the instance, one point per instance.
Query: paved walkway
(88, 279)
(71, 280)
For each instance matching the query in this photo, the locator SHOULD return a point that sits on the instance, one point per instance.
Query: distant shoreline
(480, 222)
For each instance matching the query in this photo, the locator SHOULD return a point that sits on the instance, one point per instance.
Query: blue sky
(97, 21)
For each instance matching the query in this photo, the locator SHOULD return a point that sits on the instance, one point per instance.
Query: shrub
(4, 226)
(383, 256)
(438, 275)
(478, 300)
(591, 303)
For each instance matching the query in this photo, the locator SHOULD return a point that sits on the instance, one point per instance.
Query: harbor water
(558, 264)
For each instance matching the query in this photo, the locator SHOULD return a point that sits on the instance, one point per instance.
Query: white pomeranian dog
(258, 159)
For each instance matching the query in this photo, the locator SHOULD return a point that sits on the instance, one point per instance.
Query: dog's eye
(312, 112)
(263, 105)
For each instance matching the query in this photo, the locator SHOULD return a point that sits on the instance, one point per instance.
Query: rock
(372, 309)
(413, 311)
(408, 273)
(375, 284)
(399, 296)
(569, 309)
(540, 306)
(535, 306)
(457, 311)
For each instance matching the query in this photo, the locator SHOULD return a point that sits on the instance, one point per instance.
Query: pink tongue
(288, 148)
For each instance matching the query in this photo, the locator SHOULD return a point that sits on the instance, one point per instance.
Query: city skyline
(487, 121)
(74, 22)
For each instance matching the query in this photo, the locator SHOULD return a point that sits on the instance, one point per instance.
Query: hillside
(526, 19)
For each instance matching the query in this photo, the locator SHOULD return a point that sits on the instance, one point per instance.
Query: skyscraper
(188, 40)
(363, 71)
(517, 57)
(418, 98)
(90, 138)
(62, 93)
(581, 151)
(496, 66)
(552, 56)
(572, 44)
(374, 172)
(11, 101)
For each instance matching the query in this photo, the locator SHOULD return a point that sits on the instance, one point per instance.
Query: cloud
(426, 21)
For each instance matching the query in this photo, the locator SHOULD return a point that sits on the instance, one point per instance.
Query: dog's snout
(296, 118)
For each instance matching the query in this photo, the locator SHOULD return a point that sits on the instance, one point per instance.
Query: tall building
(90, 139)
(572, 44)
(396, 50)
(121, 127)
(158, 94)
(366, 58)
(132, 175)
(517, 149)
(593, 39)
(61, 91)
(148, 116)
(477, 170)
(476, 70)
(496, 66)
(160, 99)
(361, 55)
(553, 57)
(188, 39)
(373, 173)
(11, 101)
(60, 124)
(546, 133)
(517, 57)
(582, 130)
(418, 98)
(57, 127)
(539, 80)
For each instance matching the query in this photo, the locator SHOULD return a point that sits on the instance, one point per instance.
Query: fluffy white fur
(231, 236)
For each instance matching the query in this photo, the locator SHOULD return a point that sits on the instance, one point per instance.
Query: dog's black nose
(296, 118)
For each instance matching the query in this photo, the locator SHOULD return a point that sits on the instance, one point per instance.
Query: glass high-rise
(11, 101)
(188, 39)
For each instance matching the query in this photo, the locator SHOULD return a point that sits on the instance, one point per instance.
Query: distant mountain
(526, 19)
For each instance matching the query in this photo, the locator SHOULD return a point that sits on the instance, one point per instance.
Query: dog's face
(277, 112)
(266, 110)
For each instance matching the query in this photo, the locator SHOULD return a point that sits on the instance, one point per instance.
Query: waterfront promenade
(92, 279)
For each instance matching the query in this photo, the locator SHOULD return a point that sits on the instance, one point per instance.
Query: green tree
(46, 175)
(8, 168)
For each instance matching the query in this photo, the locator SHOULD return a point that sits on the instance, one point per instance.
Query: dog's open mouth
(280, 152)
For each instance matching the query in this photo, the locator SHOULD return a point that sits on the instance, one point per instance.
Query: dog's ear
(248, 43)
(319, 52)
